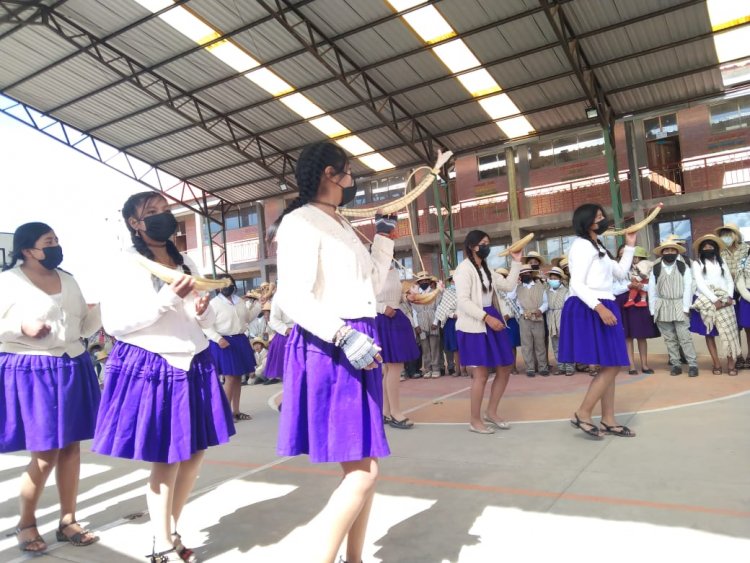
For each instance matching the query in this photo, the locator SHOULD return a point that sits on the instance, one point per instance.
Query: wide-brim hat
(259, 341)
(424, 276)
(640, 252)
(502, 271)
(557, 259)
(730, 227)
(527, 270)
(534, 254)
(697, 244)
(563, 262)
(669, 244)
(558, 271)
(101, 355)
(266, 306)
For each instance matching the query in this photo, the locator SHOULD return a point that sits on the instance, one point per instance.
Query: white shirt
(67, 314)
(157, 320)
(591, 276)
(712, 277)
(390, 294)
(687, 296)
(328, 274)
(279, 321)
(232, 316)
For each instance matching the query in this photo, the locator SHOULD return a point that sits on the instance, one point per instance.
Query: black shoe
(544, 373)
(648, 371)
(451, 371)
(676, 370)
(693, 372)
(530, 373)
(416, 375)
(271, 381)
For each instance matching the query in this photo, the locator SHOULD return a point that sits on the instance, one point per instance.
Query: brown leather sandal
(80, 539)
(24, 545)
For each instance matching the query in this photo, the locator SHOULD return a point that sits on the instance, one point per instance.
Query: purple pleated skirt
(396, 337)
(489, 349)
(236, 359)
(638, 323)
(743, 314)
(450, 338)
(332, 412)
(153, 411)
(46, 402)
(585, 339)
(697, 325)
(275, 358)
(514, 332)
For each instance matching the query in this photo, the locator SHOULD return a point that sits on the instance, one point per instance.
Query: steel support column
(445, 224)
(614, 184)
(510, 167)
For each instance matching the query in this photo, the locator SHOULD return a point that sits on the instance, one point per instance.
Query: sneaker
(530, 373)
(569, 372)
(417, 375)
(693, 372)
(676, 370)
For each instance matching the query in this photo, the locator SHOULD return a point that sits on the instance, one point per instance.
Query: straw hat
(730, 227)
(669, 243)
(557, 271)
(640, 252)
(502, 271)
(260, 341)
(534, 254)
(563, 262)
(266, 306)
(526, 270)
(424, 276)
(101, 355)
(697, 244)
(558, 259)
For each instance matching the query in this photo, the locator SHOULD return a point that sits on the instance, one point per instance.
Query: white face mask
(728, 240)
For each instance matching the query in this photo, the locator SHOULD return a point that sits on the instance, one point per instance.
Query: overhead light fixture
(283, 186)
(592, 113)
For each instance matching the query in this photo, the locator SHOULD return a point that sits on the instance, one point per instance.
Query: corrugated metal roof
(461, 126)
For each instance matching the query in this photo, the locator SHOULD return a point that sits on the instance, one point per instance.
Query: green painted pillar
(510, 167)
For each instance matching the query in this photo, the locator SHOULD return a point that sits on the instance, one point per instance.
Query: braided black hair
(717, 255)
(583, 218)
(130, 209)
(472, 240)
(24, 238)
(312, 161)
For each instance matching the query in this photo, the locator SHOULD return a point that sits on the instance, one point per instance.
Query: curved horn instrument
(168, 275)
(637, 226)
(518, 245)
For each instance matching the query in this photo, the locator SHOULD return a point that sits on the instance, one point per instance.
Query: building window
(742, 220)
(660, 127)
(407, 270)
(387, 188)
(566, 149)
(552, 247)
(245, 285)
(730, 115)
(681, 229)
(491, 166)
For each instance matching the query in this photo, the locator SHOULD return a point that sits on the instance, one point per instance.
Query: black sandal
(241, 416)
(23, 545)
(404, 424)
(618, 430)
(76, 539)
(588, 427)
(161, 556)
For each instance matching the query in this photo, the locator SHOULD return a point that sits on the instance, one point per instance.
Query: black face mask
(160, 227)
(535, 266)
(228, 291)
(602, 226)
(526, 279)
(424, 286)
(669, 258)
(483, 251)
(708, 254)
(53, 257)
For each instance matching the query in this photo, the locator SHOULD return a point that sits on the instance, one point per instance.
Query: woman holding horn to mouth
(333, 390)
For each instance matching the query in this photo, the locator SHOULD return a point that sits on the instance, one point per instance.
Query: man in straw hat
(534, 260)
(260, 349)
(669, 299)
(713, 311)
(531, 298)
(557, 293)
(734, 255)
(426, 327)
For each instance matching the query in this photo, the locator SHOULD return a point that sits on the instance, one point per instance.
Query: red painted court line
(530, 493)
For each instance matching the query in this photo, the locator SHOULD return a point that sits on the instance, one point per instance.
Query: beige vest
(530, 298)
(669, 291)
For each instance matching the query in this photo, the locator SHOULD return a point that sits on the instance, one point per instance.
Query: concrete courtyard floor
(541, 491)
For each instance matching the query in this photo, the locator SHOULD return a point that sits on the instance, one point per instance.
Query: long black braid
(473, 238)
(311, 163)
(130, 209)
(717, 256)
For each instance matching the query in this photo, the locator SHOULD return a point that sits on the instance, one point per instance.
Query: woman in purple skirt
(396, 337)
(162, 400)
(636, 317)
(281, 324)
(333, 387)
(591, 330)
(229, 347)
(743, 287)
(483, 340)
(50, 392)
